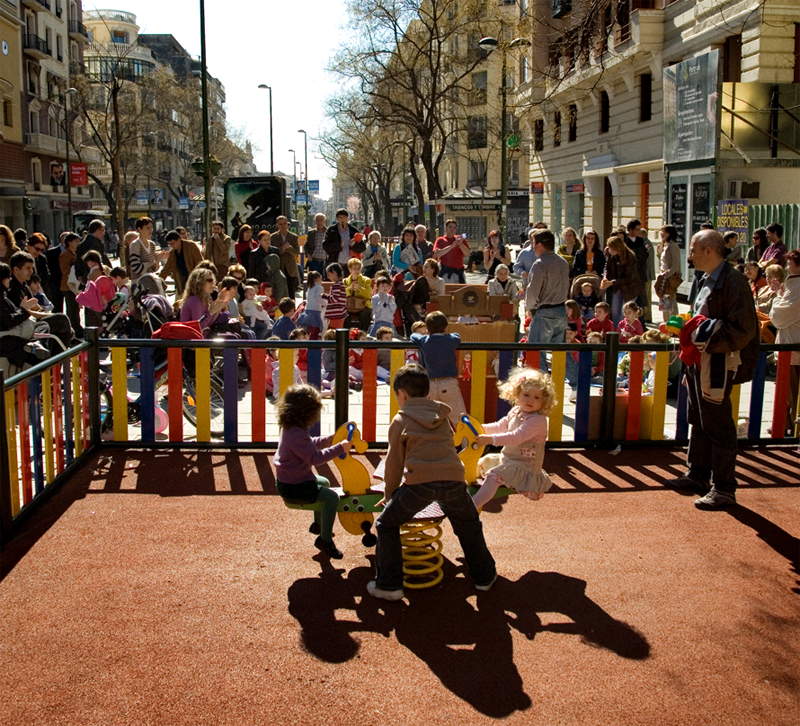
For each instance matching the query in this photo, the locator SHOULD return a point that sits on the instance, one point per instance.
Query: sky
(284, 44)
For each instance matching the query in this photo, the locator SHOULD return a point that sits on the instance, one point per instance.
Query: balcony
(77, 31)
(35, 46)
(76, 68)
(43, 144)
(134, 51)
(37, 4)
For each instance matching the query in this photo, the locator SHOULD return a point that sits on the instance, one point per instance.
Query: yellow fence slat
(477, 407)
(13, 465)
(559, 376)
(47, 426)
(285, 369)
(119, 401)
(203, 391)
(77, 407)
(398, 360)
(736, 397)
(659, 411)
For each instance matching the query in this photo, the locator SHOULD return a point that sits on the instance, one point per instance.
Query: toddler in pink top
(522, 434)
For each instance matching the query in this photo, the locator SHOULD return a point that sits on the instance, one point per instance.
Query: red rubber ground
(174, 588)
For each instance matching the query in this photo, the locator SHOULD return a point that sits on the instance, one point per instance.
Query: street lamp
(294, 182)
(490, 44)
(67, 139)
(305, 149)
(271, 154)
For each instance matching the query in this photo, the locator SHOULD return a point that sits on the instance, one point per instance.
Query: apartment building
(470, 173)
(52, 40)
(657, 109)
(12, 154)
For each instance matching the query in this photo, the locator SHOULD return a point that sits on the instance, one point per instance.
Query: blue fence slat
(757, 397)
(147, 398)
(230, 396)
(583, 392)
(35, 409)
(506, 363)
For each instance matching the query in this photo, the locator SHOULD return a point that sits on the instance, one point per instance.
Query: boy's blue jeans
(457, 505)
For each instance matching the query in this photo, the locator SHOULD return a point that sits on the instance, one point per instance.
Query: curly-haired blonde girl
(522, 434)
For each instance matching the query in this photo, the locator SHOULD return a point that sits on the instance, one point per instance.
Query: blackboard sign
(677, 211)
(701, 204)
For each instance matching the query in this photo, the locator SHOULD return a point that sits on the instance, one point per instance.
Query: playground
(174, 587)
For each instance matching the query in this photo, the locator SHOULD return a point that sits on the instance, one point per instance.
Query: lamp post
(271, 154)
(489, 44)
(294, 182)
(206, 145)
(305, 151)
(68, 170)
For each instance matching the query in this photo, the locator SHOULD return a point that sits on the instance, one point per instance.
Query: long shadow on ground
(471, 650)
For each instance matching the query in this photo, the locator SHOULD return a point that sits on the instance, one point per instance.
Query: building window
(573, 122)
(732, 60)
(513, 174)
(477, 132)
(561, 8)
(605, 113)
(523, 70)
(645, 97)
(7, 113)
(538, 135)
(557, 128)
(478, 92)
(477, 174)
(36, 171)
(119, 36)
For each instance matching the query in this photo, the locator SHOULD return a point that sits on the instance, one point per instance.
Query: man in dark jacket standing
(339, 240)
(726, 331)
(288, 246)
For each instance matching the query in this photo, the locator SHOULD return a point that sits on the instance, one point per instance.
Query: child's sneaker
(375, 591)
(329, 548)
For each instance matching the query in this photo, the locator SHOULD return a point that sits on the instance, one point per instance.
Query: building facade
(12, 153)
(621, 101)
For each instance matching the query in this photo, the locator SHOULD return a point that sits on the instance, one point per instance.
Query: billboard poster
(183, 202)
(733, 216)
(156, 197)
(313, 186)
(691, 96)
(141, 197)
(257, 201)
(78, 174)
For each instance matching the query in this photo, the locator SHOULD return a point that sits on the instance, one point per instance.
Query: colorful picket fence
(55, 413)
(45, 416)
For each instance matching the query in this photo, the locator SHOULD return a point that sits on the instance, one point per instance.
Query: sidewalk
(175, 588)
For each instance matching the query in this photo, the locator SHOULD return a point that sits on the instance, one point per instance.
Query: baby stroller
(592, 279)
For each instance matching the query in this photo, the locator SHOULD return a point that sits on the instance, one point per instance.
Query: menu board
(701, 204)
(677, 211)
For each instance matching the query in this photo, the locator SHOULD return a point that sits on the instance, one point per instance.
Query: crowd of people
(574, 289)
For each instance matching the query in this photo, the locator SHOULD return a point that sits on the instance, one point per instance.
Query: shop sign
(537, 187)
(473, 207)
(576, 188)
(733, 216)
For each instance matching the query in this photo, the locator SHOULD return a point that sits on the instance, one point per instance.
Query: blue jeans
(548, 326)
(317, 266)
(457, 504)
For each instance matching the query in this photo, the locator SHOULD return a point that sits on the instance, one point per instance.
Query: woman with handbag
(669, 276)
(358, 292)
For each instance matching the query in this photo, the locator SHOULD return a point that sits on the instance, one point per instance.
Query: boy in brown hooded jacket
(422, 467)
